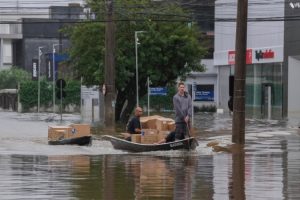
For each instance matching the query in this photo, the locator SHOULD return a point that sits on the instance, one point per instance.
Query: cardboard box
(136, 138)
(162, 125)
(162, 135)
(171, 126)
(79, 130)
(58, 132)
(150, 136)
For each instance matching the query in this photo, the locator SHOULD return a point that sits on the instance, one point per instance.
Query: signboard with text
(35, 69)
(204, 93)
(158, 91)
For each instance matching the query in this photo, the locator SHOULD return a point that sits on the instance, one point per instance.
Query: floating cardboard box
(65, 132)
(80, 130)
(58, 132)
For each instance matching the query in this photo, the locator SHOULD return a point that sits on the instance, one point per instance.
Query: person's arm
(137, 126)
(189, 108)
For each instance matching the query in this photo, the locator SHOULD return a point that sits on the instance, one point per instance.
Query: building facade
(18, 17)
(272, 56)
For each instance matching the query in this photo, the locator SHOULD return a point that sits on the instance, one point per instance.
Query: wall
(223, 80)
(261, 34)
(291, 48)
(293, 86)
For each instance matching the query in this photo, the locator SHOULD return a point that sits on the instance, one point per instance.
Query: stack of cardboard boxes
(66, 132)
(154, 129)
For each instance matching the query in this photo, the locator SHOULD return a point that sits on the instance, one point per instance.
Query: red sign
(231, 57)
(260, 55)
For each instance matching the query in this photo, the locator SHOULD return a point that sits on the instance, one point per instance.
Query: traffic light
(60, 92)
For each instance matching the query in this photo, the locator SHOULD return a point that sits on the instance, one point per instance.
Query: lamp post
(136, 65)
(40, 53)
(53, 74)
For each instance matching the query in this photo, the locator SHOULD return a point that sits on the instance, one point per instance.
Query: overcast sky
(11, 10)
(37, 3)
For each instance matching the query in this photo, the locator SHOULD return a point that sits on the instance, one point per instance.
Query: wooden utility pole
(238, 121)
(110, 92)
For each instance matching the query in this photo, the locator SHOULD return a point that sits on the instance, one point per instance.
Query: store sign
(295, 5)
(204, 93)
(267, 54)
(158, 91)
(231, 57)
(35, 69)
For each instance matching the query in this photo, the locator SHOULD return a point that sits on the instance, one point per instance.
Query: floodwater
(267, 168)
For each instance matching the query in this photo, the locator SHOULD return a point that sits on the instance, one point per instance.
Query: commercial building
(20, 21)
(273, 56)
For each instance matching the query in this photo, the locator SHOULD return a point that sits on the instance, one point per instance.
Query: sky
(36, 3)
(16, 9)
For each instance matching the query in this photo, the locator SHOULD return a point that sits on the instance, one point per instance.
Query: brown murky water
(268, 168)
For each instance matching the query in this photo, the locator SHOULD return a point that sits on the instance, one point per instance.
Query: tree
(168, 48)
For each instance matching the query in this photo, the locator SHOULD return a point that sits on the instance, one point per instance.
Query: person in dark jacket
(134, 125)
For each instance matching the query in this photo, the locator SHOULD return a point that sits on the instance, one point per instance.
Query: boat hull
(82, 141)
(188, 144)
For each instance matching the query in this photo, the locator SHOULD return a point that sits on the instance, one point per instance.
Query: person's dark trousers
(180, 131)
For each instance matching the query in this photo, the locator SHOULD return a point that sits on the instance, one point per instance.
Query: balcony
(11, 31)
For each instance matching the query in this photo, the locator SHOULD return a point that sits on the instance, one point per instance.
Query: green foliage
(29, 93)
(160, 102)
(9, 78)
(168, 48)
(73, 93)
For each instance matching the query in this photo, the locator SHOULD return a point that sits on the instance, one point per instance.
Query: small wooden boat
(82, 141)
(118, 143)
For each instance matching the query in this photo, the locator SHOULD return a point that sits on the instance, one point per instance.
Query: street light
(136, 65)
(53, 74)
(40, 53)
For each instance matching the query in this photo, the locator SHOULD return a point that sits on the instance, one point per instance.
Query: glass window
(258, 77)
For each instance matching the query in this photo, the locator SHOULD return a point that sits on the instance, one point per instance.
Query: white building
(273, 56)
(11, 13)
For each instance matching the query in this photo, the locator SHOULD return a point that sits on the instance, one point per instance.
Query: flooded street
(269, 168)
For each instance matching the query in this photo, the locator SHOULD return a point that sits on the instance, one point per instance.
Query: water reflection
(267, 168)
(237, 180)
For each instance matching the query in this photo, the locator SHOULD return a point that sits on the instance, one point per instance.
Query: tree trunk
(128, 109)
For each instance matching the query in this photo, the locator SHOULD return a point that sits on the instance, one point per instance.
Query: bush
(29, 93)
(9, 78)
(204, 108)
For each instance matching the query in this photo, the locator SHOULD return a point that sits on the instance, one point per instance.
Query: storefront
(265, 69)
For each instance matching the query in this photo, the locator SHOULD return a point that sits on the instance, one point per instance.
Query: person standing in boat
(182, 103)
(134, 125)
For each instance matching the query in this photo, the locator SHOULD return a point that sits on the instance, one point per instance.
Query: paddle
(188, 133)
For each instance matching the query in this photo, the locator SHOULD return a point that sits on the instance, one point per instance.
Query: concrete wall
(291, 48)
(261, 34)
(293, 86)
(30, 49)
(223, 81)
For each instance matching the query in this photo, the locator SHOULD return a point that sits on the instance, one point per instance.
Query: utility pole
(238, 121)
(40, 53)
(110, 95)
